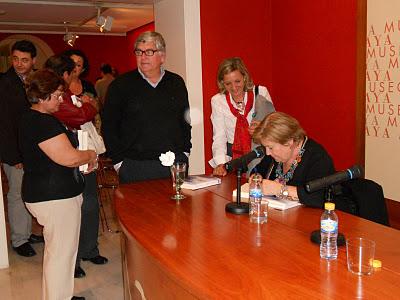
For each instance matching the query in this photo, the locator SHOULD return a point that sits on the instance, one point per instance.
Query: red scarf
(242, 139)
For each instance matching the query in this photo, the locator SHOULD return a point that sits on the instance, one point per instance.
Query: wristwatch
(284, 193)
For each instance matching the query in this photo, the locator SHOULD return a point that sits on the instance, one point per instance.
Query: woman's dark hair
(41, 84)
(60, 64)
(80, 53)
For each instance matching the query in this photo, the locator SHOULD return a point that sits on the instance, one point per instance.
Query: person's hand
(93, 163)
(85, 98)
(271, 187)
(253, 126)
(220, 170)
(19, 166)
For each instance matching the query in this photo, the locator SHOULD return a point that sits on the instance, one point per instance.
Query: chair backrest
(369, 199)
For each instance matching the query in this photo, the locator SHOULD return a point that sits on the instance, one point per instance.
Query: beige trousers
(61, 221)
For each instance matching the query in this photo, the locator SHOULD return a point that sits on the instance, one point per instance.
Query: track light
(69, 37)
(104, 23)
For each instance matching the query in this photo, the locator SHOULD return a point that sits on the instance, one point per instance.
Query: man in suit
(13, 103)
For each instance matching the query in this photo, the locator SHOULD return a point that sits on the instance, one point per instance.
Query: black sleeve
(39, 128)
(47, 127)
(9, 147)
(318, 166)
(263, 167)
(111, 122)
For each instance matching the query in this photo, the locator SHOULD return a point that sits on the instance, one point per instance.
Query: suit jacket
(13, 103)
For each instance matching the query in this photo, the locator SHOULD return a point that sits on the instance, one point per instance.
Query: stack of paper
(195, 182)
(272, 200)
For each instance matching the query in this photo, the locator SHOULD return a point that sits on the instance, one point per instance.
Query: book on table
(195, 182)
(273, 201)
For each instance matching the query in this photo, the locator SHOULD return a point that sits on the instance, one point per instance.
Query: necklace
(283, 178)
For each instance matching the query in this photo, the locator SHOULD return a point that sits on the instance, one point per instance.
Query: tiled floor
(22, 280)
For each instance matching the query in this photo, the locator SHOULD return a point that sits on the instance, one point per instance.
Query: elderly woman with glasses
(73, 113)
(52, 184)
(236, 110)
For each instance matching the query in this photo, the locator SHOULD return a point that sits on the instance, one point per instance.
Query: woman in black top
(292, 159)
(52, 184)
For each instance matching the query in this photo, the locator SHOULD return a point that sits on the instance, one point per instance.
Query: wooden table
(195, 250)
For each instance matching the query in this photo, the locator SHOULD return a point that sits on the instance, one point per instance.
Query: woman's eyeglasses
(59, 97)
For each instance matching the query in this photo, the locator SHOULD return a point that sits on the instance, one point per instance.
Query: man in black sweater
(146, 113)
(13, 103)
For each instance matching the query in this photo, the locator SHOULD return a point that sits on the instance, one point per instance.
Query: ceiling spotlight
(69, 37)
(104, 23)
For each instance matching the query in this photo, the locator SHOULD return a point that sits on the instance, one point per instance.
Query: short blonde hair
(279, 128)
(229, 65)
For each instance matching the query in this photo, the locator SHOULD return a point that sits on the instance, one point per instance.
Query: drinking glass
(360, 255)
(178, 171)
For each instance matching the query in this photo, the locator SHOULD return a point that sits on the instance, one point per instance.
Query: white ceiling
(48, 16)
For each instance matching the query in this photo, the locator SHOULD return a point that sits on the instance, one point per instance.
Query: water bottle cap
(376, 263)
(257, 177)
(329, 206)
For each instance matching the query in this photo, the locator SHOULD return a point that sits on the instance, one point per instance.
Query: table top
(215, 254)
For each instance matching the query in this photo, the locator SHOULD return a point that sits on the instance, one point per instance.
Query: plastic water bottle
(329, 232)
(258, 207)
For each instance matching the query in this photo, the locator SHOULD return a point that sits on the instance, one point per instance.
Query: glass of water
(178, 171)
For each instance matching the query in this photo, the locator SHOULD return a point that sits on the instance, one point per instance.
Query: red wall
(233, 28)
(314, 70)
(303, 51)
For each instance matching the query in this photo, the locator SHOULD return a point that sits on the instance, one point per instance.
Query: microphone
(317, 184)
(243, 161)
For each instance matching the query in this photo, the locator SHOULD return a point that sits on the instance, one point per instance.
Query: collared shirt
(224, 124)
(21, 76)
(162, 71)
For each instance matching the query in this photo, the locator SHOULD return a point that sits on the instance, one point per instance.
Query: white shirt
(224, 123)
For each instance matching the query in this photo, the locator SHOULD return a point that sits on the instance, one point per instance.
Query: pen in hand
(271, 166)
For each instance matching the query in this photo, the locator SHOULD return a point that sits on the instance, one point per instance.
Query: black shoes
(77, 298)
(25, 250)
(79, 273)
(34, 239)
(97, 260)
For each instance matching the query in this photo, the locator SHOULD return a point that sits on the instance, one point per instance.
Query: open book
(195, 182)
(273, 201)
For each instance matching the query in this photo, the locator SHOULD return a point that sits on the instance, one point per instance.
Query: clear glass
(360, 256)
(178, 172)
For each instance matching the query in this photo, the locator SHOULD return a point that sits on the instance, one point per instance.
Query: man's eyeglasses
(147, 52)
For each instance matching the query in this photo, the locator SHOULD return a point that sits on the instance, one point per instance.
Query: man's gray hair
(151, 36)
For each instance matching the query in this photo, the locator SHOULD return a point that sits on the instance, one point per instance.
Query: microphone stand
(316, 234)
(238, 208)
